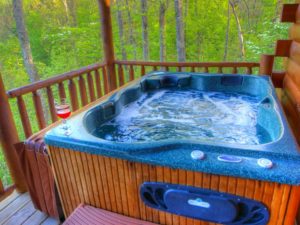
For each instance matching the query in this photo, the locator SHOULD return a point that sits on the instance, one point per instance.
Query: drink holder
(203, 204)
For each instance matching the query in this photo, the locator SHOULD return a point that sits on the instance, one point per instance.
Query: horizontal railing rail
(53, 80)
(129, 70)
(190, 64)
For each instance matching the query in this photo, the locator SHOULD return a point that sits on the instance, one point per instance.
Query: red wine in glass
(63, 111)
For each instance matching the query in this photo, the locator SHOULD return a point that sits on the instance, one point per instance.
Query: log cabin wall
(291, 82)
(289, 79)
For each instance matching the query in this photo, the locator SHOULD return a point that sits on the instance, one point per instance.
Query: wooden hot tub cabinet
(113, 184)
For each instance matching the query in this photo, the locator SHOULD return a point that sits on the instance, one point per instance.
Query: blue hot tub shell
(280, 147)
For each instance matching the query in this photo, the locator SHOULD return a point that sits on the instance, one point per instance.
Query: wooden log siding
(291, 80)
(113, 184)
(291, 91)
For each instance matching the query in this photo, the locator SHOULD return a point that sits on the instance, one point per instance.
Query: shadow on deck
(18, 209)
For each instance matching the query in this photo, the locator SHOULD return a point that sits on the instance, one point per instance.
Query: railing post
(107, 38)
(9, 137)
(266, 64)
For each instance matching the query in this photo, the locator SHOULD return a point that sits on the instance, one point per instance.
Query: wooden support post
(266, 64)
(283, 48)
(289, 13)
(107, 38)
(9, 137)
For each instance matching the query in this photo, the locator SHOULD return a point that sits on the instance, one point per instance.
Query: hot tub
(224, 133)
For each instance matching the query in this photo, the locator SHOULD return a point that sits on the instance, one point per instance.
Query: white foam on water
(185, 114)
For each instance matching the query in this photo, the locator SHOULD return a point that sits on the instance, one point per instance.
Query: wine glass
(63, 111)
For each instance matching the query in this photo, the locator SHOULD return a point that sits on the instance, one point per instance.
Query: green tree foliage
(52, 38)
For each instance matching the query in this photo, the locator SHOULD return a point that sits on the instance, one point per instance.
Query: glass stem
(64, 122)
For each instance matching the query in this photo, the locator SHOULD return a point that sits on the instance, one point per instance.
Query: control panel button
(230, 158)
(265, 163)
(197, 155)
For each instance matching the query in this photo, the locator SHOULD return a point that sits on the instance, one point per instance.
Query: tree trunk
(185, 15)
(198, 33)
(132, 40)
(121, 30)
(180, 43)
(24, 41)
(186, 3)
(145, 29)
(26, 49)
(227, 33)
(162, 30)
(239, 28)
(247, 9)
(278, 10)
(70, 8)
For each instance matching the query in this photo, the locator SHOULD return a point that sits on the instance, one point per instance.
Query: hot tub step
(85, 214)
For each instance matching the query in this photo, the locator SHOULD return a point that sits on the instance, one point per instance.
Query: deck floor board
(5, 202)
(36, 218)
(18, 209)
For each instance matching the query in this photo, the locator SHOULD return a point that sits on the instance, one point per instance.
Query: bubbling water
(185, 114)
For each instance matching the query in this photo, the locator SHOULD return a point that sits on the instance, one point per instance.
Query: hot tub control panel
(265, 163)
(230, 158)
(197, 155)
(261, 162)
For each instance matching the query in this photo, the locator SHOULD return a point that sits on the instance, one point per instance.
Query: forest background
(65, 34)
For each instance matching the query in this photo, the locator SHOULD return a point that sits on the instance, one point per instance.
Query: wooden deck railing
(32, 103)
(134, 69)
(90, 82)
